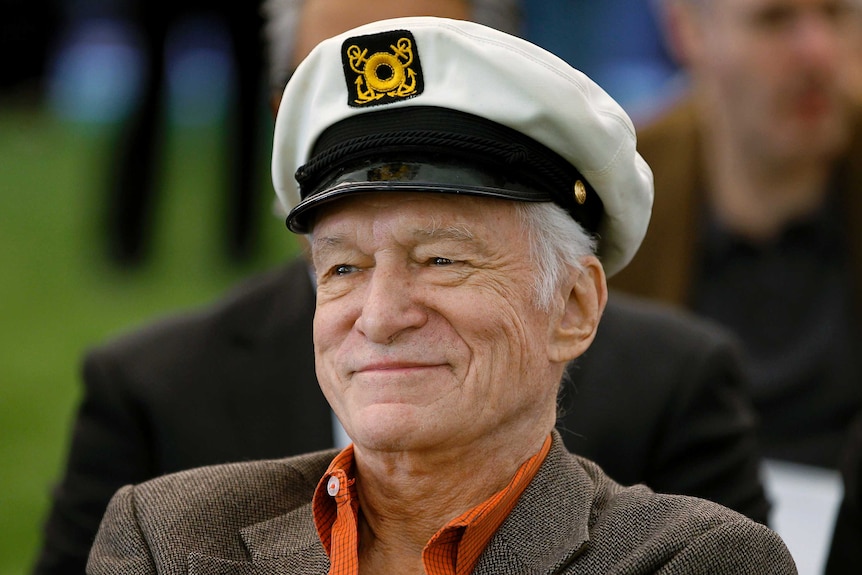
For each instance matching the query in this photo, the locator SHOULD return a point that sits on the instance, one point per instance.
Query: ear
(681, 23)
(585, 296)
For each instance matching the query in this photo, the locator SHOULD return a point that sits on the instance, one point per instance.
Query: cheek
(321, 338)
(330, 328)
(334, 317)
(504, 336)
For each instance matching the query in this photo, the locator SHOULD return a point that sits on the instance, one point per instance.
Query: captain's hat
(448, 106)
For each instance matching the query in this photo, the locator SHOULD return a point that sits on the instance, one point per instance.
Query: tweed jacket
(255, 518)
(664, 266)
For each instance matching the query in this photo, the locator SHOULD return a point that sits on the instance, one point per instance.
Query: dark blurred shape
(845, 554)
(136, 170)
(27, 32)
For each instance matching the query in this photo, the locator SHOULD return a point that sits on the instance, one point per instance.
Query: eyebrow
(321, 245)
(432, 232)
(329, 244)
(453, 233)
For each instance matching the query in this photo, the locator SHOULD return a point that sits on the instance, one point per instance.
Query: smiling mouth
(395, 367)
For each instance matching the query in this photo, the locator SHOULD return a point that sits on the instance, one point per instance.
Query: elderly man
(452, 206)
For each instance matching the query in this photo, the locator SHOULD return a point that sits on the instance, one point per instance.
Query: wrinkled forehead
(422, 225)
(416, 216)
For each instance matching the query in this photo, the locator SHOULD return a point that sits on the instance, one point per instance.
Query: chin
(812, 141)
(823, 135)
(388, 428)
(390, 440)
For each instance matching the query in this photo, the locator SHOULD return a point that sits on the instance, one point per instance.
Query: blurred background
(70, 75)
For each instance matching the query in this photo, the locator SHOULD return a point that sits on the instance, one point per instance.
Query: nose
(392, 304)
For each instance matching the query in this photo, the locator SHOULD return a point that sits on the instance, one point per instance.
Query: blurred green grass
(59, 294)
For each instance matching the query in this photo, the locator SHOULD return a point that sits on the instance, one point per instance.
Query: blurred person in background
(136, 176)
(28, 31)
(757, 178)
(657, 399)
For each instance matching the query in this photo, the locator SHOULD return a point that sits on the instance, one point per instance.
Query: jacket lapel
(549, 526)
(278, 408)
(299, 565)
(287, 544)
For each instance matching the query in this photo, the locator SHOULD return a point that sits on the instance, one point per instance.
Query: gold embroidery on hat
(383, 73)
(580, 192)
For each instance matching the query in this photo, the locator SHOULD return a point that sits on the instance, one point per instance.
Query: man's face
(774, 72)
(426, 334)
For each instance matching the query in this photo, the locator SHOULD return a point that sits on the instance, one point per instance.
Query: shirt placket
(345, 536)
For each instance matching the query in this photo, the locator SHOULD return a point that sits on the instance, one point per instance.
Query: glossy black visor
(439, 151)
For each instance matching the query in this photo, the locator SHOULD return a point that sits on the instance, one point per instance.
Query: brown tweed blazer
(255, 518)
(663, 268)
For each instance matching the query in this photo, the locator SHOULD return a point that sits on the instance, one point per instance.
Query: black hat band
(444, 151)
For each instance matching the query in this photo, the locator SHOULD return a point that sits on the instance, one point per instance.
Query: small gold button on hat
(580, 192)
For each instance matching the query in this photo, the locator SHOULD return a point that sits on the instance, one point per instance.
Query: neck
(755, 195)
(407, 497)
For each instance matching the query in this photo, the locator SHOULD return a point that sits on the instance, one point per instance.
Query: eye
(437, 261)
(837, 12)
(343, 269)
(774, 17)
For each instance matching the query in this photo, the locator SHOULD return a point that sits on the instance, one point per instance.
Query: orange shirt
(454, 550)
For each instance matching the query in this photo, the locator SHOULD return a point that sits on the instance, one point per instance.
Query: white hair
(557, 243)
(281, 18)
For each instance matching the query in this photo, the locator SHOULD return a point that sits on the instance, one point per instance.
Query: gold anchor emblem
(383, 76)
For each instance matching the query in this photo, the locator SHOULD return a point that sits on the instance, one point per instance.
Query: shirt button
(332, 486)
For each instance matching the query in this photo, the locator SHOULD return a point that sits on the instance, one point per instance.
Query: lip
(813, 101)
(814, 105)
(394, 366)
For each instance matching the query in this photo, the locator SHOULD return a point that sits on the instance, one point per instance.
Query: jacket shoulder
(647, 322)
(266, 313)
(245, 303)
(643, 531)
(217, 502)
(631, 345)
(214, 511)
(589, 523)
